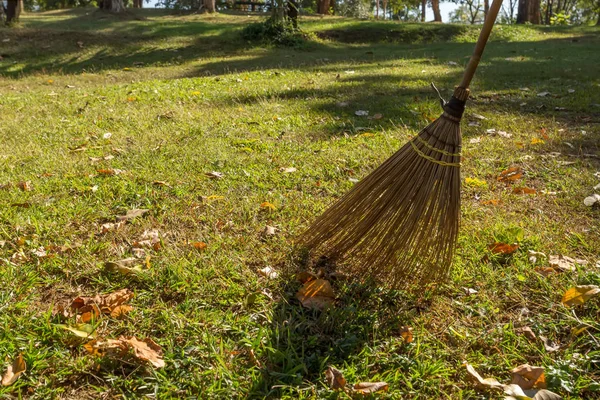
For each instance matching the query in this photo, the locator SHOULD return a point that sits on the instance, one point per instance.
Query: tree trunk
(209, 6)
(376, 9)
(535, 16)
(486, 7)
(522, 12)
(323, 7)
(292, 12)
(12, 11)
(423, 9)
(437, 15)
(138, 3)
(384, 3)
(113, 6)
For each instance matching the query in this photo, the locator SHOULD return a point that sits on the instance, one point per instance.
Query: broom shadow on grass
(303, 342)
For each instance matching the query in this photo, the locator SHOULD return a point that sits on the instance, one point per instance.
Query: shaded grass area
(203, 101)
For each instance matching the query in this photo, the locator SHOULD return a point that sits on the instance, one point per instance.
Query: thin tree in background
(423, 9)
(529, 11)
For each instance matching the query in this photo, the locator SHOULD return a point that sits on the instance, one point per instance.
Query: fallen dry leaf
(146, 350)
(407, 334)
(544, 394)
(492, 202)
(14, 370)
(132, 214)
(537, 141)
(199, 245)
(335, 379)
(510, 175)
(268, 272)
(127, 266)
(524, 190)
(370, 387)
(528, 377)
(288, 170)
(269, 230)
(550, 347)
(81, 330)
(377, 116)
(215, 175)
(267, 206)
(109, 171)
(107, 303)
(110, 226)
(564, 263)
(150, 239)
(161, 183)
(579, 295)
(24, 186)
(503, 248)
(527, 332)
(316, 294)
(481, 383)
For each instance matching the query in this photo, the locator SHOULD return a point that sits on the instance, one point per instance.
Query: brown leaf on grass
(270, 231)
(316, 294)
(145, 350)
(24, 186)
(149, 239)
(528, 377)
(545, 271)
(112, 304)
(199, 245)
(132, 214)
(407, 334)
(378, 116)
(492, 202)
(527, 332)
(109, 171)
(579, 295)
(481, 383)
(503, 248)
(14, 370)
(335, 379)
(545, 394)
(524, 190)
(21, 205)
(370, 387)
(126, 266)
(510, 175)
(564, 263)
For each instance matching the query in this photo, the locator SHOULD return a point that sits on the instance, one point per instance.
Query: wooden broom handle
(488, 24)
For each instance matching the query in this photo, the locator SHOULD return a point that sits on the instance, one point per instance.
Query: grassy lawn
(100, 116)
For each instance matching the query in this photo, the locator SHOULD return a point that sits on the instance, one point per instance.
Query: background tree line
(546, 12)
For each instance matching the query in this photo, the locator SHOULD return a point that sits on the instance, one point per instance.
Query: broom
(400, 223)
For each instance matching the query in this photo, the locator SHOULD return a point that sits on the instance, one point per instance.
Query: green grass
(195, 98)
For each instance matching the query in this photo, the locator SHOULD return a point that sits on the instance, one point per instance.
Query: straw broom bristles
(400, 223)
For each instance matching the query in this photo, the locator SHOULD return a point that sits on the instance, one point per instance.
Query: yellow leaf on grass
(481, 383)
(126, 266)
(81, 330)
(335, 379)
(14, 370)
(579, 295)
(474, 182)
(267, 206)
(536, 141)
(528, 377)
(370, 387)
(316, 294)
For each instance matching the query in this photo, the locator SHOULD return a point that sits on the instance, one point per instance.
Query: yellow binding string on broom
(430, 147)
(433, 160)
